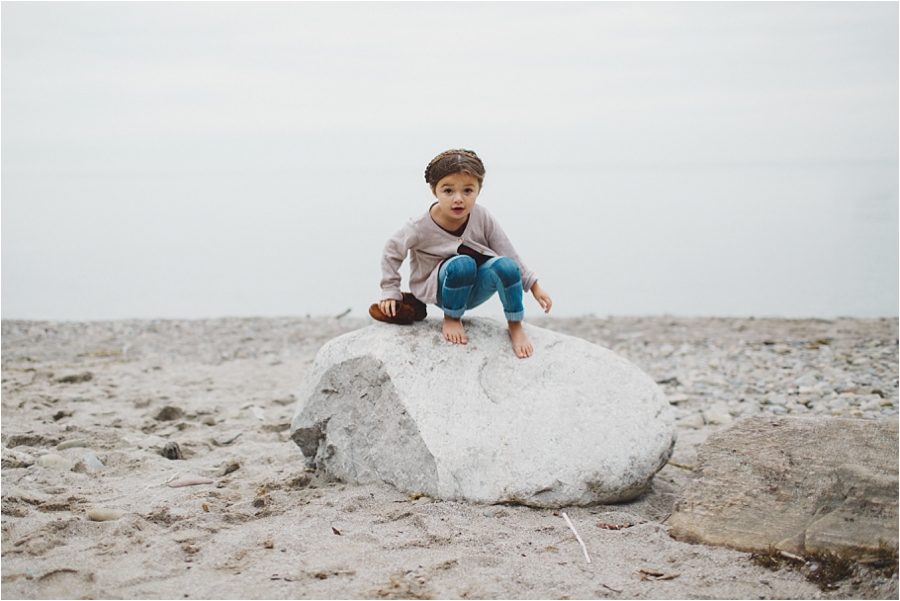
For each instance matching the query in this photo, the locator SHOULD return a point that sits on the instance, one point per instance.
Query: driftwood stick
(575, 532)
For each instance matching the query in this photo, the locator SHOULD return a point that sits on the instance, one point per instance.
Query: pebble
(189, 482)
(231, 466)
(104, 515)
(71, 444)
(691, 421)
(169, 413)
(172, 451)
(718, 414)
(55, 462)
(92, 461)
(208, 420)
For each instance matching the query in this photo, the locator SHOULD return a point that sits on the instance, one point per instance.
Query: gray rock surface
(798, 484)
(575, 424)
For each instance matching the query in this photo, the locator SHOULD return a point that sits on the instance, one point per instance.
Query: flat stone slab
(798, 484)
(575, 424)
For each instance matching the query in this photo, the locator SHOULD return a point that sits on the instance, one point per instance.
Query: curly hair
(454, 161)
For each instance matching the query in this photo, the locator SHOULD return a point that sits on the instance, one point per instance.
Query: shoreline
(222, 390)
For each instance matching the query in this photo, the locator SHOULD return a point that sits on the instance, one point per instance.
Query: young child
(459, 257)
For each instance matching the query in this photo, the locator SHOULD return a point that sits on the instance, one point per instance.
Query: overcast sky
(205, 159)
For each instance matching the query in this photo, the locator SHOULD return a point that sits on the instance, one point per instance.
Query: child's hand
(388, 307)
(541, 297)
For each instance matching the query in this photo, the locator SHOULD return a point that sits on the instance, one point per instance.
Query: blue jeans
(463, 285)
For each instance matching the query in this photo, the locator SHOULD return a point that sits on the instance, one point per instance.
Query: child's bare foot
(453, 330)
(521, 344)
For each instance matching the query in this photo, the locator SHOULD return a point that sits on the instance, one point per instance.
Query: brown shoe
(420, 310)
(409, 309)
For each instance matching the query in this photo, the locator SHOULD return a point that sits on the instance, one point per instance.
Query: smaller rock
(208, 420)
(718, 415)
(84, 376)
(694, 421)
(775, 399)
(172, 451)
(674, 399)
(104, 515)
(424, 500)
(189, 482)
(169, 413)
(55, 462)
(92, 461)
(231, 466)
(71, 444)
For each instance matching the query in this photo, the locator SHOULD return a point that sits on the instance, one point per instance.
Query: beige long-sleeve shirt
(428, 245)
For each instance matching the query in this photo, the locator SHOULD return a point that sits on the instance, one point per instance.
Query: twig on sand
(163, 482)
(615, 590)
(792, 557)
(684, 467)
(575, 532)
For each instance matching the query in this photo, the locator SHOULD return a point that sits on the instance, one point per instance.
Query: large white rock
(575, 424)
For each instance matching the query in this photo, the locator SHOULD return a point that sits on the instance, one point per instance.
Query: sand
(264, 527)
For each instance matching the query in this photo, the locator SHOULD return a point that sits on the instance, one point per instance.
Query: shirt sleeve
(395, 251)
(499, 242)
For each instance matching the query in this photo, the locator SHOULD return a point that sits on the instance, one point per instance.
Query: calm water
(794, 240)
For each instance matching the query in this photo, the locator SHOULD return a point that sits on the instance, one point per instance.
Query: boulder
(798, 484)
(574, 424)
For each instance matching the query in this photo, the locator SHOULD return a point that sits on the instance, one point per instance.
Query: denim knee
(459, 271)
(507, 270)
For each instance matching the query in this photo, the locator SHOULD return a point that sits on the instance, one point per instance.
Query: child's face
(456, 194)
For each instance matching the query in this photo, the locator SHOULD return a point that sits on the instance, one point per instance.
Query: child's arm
(395, 250)
(541, 296)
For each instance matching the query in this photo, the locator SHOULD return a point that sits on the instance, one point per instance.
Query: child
(459, 257)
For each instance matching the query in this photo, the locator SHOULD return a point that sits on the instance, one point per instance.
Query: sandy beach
(101, 419)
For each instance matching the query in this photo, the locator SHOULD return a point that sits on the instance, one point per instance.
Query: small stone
(92, 461)
(694, 421)
(85, 376)
(718, 415)
(55, 462)
(674, 399)
(189, 482)
(172, 451)
(168, 414)
(424, 500)
(487, 513)
(231, 466)
(71, 444)
(104, 515)
(775, 399)
(208, 420)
